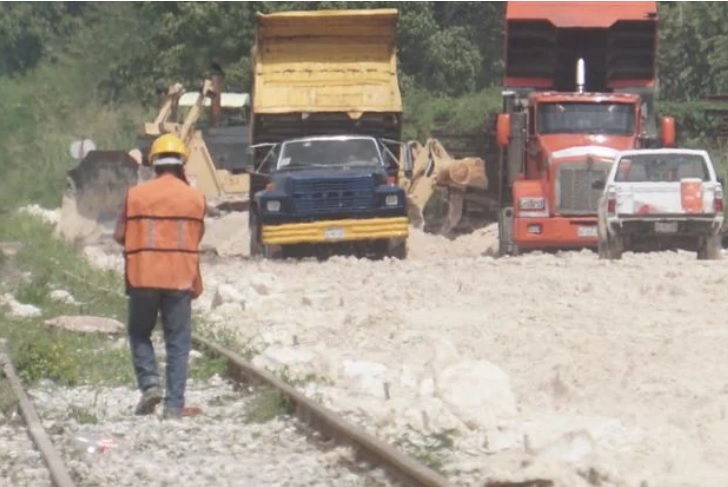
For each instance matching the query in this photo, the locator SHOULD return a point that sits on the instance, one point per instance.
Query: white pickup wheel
(709, 248)
(610, 247)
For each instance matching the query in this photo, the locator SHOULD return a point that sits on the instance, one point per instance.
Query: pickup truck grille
(574, 194)
(332, 195)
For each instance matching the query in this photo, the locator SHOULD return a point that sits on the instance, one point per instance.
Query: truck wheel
(505, 233)
(709, 248)
(398, 250)
(256, 246)
(602, 248)
(615, 247)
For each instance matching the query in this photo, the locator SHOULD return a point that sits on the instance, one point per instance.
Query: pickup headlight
(391, 200)
(273, 206)
(531, 203)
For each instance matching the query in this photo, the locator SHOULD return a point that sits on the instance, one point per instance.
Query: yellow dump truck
(326, 126)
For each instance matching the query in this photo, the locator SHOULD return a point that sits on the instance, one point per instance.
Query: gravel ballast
(219, 447)
(20, 463)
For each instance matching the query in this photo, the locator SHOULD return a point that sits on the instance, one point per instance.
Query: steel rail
(55, 464)
(398, 465)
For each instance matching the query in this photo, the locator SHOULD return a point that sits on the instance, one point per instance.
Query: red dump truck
(579, 85)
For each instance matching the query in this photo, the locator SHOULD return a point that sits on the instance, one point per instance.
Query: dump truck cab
(580, 78)
(329, 191)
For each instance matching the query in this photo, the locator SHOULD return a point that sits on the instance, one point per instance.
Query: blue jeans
(176, 312)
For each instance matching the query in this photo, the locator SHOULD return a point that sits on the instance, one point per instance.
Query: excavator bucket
(436, 172)
(95, 193)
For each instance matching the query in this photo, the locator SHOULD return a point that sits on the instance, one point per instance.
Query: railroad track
(57, 470)
(372, 458)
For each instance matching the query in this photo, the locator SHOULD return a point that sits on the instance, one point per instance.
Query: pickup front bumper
(335, 231)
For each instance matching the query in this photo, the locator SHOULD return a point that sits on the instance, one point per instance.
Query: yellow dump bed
(326, 61)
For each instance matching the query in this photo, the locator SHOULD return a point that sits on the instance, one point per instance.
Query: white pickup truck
(654, 199)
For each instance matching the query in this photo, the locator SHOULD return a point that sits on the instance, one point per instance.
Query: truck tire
(614, 247)
(398, 250)
(709, 248)
(257, 247)
(602, 248)
(505, 233)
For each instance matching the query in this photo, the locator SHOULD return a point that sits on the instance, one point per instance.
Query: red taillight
(611, 205)
(391, 180)
(718, 202)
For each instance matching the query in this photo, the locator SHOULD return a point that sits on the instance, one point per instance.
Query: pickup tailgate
(679, 198)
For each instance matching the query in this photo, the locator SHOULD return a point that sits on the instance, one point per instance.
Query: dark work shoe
(150, 398)
(170, 413)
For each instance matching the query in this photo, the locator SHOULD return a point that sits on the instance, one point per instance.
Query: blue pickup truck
(322, 194)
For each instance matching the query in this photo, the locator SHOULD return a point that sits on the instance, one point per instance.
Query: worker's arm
(202, 230)
(120, 230)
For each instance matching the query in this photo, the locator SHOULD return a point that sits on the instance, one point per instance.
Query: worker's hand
(197, 286)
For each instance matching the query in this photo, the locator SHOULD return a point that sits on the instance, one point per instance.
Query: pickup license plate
(334, 233)
(587, 232)
(665, 227)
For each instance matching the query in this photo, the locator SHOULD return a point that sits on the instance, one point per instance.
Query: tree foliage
(118, 52)
(451, 48)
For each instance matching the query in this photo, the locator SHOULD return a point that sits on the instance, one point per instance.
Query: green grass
(40, 352)
(8, 401)
(207, 367)
(40, 120)
(267, 404)
(434, 449)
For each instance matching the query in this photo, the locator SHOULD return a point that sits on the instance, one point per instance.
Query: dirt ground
(585, 369)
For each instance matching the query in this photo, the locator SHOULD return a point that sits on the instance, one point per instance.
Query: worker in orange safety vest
(160, 227)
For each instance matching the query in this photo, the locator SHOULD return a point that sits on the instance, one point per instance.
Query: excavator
(96, 186)
(435, 175)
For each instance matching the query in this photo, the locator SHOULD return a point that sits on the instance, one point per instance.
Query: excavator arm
(188, 126)
(169, 105)
(433, 171)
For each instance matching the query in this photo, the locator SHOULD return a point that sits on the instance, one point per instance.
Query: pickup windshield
(585, 118)
(661, 168)
(317, 153)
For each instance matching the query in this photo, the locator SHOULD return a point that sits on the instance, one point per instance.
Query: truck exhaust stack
(580, 70)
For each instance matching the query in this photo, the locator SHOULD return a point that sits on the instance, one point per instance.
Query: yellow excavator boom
(96, 186)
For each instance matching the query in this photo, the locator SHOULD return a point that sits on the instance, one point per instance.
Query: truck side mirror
(721, 181)
(598, 184)
(503, 129)
(667, 129)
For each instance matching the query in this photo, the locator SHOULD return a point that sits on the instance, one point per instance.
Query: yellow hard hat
(168, 144)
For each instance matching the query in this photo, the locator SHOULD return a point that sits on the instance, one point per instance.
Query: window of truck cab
(647, 168)
(570, 117)
(330, 152)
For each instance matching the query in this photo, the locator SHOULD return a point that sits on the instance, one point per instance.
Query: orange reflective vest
(164, 226)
